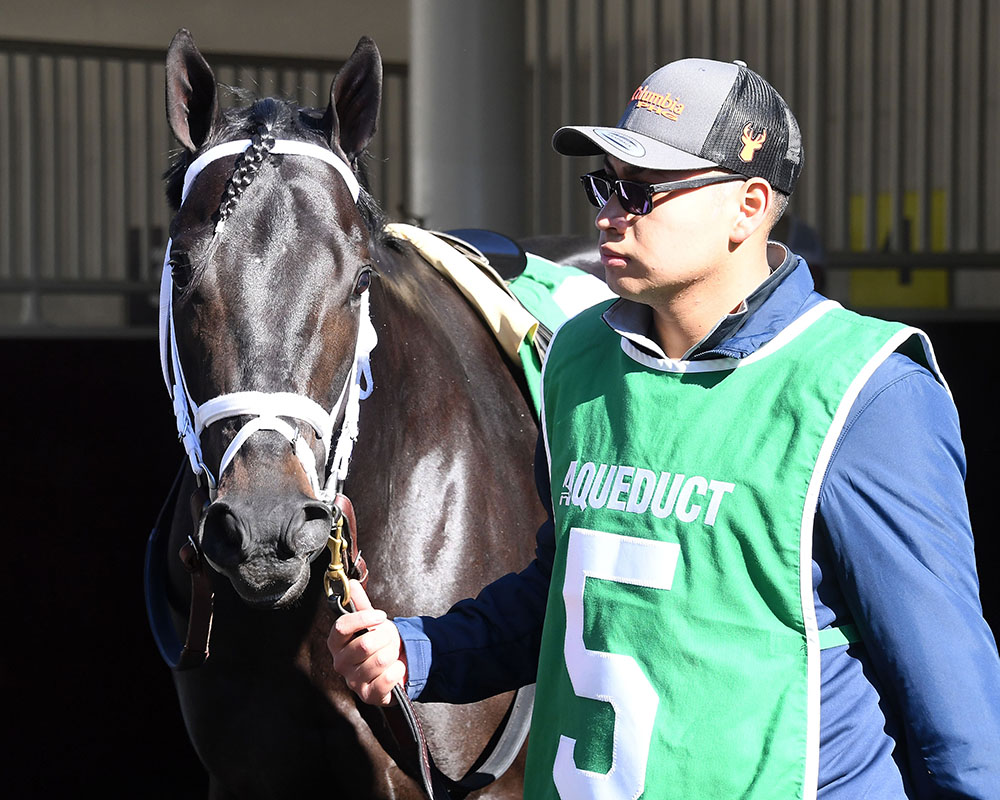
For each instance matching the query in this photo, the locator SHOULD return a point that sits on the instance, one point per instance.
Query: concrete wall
(328, 29)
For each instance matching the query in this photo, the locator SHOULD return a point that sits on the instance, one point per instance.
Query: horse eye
(363, 283)
(180, 269)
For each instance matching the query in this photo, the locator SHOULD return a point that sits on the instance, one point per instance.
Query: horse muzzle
(265, 546)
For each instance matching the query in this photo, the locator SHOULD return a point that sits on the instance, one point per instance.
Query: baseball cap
(696, 113)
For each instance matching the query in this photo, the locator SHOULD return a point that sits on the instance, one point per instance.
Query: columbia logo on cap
(663, 104)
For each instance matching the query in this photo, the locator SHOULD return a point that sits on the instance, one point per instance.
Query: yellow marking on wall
(885, 288)
(858, 221)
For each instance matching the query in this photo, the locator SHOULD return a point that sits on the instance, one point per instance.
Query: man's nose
(612, 215)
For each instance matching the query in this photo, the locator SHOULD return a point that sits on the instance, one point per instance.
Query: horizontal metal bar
(938, 261)
(82, 286)
(59, 49)
(38, 331)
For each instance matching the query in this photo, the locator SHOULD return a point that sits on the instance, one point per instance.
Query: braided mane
(263, 122)
(247, 166)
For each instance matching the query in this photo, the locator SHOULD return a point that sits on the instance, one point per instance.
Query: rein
(397, 727)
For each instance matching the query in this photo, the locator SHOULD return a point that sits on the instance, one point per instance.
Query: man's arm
(894, 507)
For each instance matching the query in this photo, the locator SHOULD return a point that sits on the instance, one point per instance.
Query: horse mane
(281, 119)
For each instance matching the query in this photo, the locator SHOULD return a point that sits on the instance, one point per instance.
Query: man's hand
(373, 663)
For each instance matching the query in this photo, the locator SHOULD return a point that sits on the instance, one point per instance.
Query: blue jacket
(913, 711)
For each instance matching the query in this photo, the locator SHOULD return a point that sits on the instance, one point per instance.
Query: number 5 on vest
(610, 677)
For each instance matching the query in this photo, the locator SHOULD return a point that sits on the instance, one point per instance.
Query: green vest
(552, 293)
(680, 653)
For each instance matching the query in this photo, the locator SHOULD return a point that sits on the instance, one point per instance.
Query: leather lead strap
(195, 650)
(397, 728)
(356, 566)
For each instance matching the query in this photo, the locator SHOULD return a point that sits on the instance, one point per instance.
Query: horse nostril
(223, 536)
(308, 530)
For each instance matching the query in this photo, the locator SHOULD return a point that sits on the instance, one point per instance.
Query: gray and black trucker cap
(697, 113)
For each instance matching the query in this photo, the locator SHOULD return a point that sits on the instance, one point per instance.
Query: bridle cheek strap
(267, 408)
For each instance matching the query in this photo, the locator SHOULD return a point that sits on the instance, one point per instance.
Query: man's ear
(756, 199)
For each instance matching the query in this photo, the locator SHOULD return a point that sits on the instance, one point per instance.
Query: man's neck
(685, 317)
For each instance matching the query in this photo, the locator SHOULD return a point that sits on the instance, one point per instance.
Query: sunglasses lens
(635, 199)
(598, 190)
(634, 196)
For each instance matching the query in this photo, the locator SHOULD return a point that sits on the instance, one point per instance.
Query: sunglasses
(637, 197)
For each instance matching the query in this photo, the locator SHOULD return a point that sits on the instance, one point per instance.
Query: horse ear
(355, 97)
(192, 96)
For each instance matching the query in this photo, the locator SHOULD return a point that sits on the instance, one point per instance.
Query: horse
(279, 268)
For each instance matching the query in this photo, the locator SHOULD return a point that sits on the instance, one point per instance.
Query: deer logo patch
(751, 143)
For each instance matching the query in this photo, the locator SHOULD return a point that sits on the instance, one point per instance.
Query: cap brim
(632, 148)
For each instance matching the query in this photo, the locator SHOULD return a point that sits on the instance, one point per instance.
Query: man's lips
(612, 258)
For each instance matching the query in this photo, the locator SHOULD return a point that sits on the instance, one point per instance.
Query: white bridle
(267, 408)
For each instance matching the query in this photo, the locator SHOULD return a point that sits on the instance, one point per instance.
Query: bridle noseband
(267, 408)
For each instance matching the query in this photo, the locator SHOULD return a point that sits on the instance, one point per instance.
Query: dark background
(90, 453)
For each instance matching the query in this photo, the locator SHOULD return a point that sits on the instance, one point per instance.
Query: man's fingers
(371, 666)
(367, 646)
(363, 617)
(346, 626)
(367, 650)
(359, 596)
(381, 688)
(378, 690)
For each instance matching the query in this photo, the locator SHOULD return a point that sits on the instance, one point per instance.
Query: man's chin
(623, 285)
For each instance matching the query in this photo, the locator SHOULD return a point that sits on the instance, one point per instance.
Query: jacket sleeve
(486, 645)
(894, 507)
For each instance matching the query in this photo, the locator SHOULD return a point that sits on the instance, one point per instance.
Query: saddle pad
(518, 313)
(509, 321)
(552, 293)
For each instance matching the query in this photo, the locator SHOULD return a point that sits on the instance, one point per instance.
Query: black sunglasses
(637, 197)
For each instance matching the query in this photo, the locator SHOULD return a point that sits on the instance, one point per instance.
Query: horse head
(264, 310)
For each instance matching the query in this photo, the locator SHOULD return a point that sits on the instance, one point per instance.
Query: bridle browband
(265, 408)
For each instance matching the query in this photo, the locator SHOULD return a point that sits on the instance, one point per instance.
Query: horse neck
(433, 335)
(445, 444)
(437, 362)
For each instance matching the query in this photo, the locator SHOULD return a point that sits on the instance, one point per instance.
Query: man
(758, 579)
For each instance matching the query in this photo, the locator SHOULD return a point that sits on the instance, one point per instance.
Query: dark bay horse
(276, 258)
